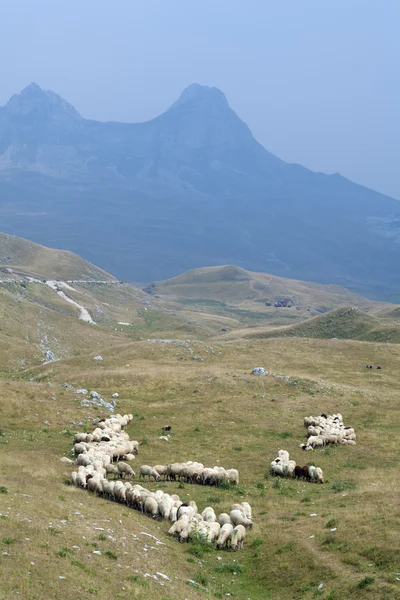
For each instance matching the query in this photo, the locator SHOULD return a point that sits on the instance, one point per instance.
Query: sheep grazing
(194, 472)
(238, 518)
(225, 536)
(124, 470)
(327, 429)
(146, 471)
(100, 454)
(166, 428)
(282, 468)
(237, 537)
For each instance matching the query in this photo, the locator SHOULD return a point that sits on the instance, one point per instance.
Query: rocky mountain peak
(34, 101)
(200, 95)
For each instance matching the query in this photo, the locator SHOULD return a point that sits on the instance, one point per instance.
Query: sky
(317, 81)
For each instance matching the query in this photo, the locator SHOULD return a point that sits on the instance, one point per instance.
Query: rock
(98, 357)
(259, 371)
(81, 391)
(50, 356)
(115, 395)
(197, 358)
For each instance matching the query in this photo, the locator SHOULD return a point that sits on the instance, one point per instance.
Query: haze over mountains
(190, 188)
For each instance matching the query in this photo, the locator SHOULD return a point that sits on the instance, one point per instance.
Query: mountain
(191, 187)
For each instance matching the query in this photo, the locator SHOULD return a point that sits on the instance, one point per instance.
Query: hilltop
(189, 188)
(247, 298)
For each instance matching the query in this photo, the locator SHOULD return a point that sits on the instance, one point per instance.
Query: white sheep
(237, 537)
(223, 519)
(225, 534)
(238, 518)
(146, 471)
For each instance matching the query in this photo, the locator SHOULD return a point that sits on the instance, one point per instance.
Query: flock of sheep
(284, 467)
(194, 472)
(327, 429)
(98, 455)
(101, 453)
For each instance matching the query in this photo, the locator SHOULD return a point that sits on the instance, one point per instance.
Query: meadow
(51, 532)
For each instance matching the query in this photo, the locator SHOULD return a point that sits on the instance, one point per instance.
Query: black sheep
(306, 473)
(298, 472)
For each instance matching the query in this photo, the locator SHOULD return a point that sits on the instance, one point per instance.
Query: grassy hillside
(343, 323)
(220, 414)
(242, 295)
(23, 256)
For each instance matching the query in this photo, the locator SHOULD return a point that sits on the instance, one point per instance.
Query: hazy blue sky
(317, 81)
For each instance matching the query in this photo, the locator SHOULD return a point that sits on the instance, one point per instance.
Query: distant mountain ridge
(191, 187)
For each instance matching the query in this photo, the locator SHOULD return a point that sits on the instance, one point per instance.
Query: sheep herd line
(102, 453)
(96, 454)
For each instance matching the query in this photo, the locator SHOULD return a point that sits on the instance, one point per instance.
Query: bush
(201, 578)
(331, 523)
(3, 489)
(110, 555)
(366, 581)
(8, 541)
(199, 547)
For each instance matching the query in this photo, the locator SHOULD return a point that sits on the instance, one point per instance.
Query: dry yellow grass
(218, 412)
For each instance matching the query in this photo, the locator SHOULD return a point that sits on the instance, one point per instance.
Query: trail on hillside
(84, 314)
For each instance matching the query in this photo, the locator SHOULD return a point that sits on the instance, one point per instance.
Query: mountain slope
(191, 187)
(18, 255)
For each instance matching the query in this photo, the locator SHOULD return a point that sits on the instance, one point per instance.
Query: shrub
(199, 547)
(3, 489)
(331, 523)
(8, 541)
(201, 578)
(110, 555)
(102, 537)
(366, 581)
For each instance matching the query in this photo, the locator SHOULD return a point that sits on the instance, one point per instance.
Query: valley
(181, 354)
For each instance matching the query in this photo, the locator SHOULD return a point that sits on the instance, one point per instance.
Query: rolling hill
(251, 298)
(191, 187)
(346, 323)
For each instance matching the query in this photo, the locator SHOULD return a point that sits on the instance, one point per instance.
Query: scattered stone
(81, 391)
(115, 395)
(50, 356)
(98, 357)
(259, 371)
(162, 575)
